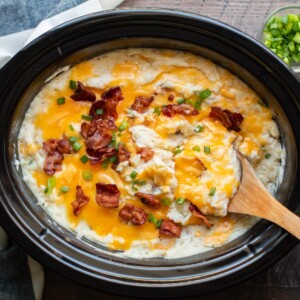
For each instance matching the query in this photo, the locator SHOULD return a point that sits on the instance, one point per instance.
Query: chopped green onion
(157, 111)
(152, 219)
(207, 149)
(177, 150)
(51, 182)
(61, 101)
(84, 159)
(139, 182)
(105, 163)
(86, 117)
(166, 201)
(196, 148)
(282, 36)
(113, 159)
(180, 101)
(180, 200)
(133, 174)
(199, 128)
(76, 146)
(73, 84)
(71, 127)
(64, 189)
(198, 103)
(212, 191)
(30, 161)
(205, 94)
(268, 155)
(123, 126)
(99, 111)
(134, 188)
(87, 175)
(73, 139)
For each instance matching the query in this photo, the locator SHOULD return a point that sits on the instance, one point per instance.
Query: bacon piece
(171, 98)
(64, 146)
(108, 103)
(230, 120)
(114, 92)
(123, 153)
(82, 93)
(108, 195)
(80, 201)
(141, 103)
(135, 215)
(182, 109)
(148, 199)
(198, 214)
(98, 141)
(88, 129)
(169, 228)
(53, 163)
(50, 146)
(146, 153)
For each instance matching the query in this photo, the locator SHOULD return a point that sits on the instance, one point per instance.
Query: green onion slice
(64, 189)
(199, 128)
(133, 174)
(73, 84)
(180, 200)
(61, 101)
(196, 148)
(180, 101)
(76, 146)
(51, 183)
(207, 149)
(212, 191)
(87, 175)
(152, 219)
(86, 117)
(166, 201)
(84, 159)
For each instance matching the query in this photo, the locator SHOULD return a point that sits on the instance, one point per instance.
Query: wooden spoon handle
(253, 199)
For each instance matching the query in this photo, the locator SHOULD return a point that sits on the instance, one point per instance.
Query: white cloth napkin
(12, 43)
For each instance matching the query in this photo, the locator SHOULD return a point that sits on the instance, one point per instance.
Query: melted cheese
(190, 174)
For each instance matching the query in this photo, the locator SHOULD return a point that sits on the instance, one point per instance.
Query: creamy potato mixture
(136, 149)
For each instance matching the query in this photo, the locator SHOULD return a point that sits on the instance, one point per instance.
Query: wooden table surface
(282, 281)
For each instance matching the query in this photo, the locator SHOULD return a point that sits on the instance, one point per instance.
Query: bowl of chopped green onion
(281, 34)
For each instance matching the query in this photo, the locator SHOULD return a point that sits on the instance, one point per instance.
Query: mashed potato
(193, 160)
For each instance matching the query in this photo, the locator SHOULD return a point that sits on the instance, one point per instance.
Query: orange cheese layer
(55, 121)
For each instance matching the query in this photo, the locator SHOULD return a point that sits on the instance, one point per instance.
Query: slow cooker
(94, 265)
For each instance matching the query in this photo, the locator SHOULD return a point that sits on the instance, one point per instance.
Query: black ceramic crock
(96, 266)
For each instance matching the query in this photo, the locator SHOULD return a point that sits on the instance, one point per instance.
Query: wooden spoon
(252, 198)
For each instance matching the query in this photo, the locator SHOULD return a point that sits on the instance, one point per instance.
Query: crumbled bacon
(82, 93)
(108, 103)
(107, 195)
(148, 199)
(64, 146)
(50, 146)
(88, 129)
(123, 153)
(169, 228)
(114, 92)
(99, 140)
(55, 149)
(53, 163)
(141, 103)
(146, 153)
(230, 120)
(198, 214)
(171, 98)
(183, 109)
(135, 215)
(80, 201)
